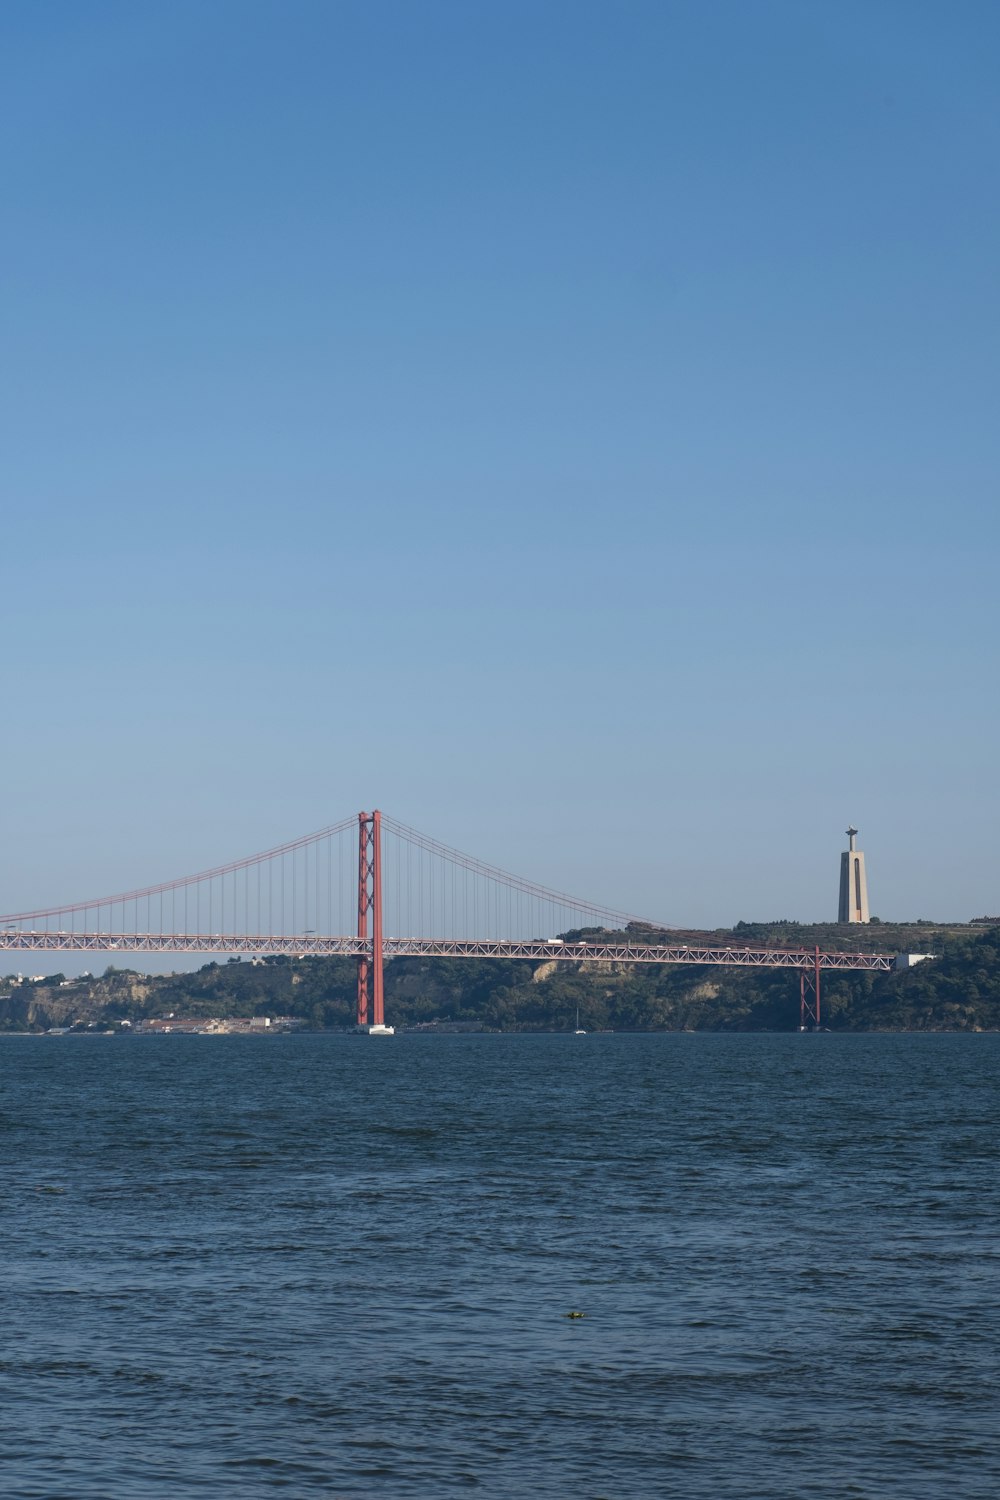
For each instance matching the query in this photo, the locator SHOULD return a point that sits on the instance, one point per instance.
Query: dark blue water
(343, 1266)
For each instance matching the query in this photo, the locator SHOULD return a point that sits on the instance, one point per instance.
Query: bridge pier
(809, 993)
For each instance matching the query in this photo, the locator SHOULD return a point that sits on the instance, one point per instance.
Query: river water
(344, 1266)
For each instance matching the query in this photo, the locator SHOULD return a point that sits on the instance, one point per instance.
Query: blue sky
(569, 426)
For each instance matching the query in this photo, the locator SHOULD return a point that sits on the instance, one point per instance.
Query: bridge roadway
(310, 945)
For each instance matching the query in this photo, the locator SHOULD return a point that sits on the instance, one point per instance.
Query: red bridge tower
(370, 1004)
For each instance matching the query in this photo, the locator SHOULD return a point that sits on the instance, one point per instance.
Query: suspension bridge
(369, 888)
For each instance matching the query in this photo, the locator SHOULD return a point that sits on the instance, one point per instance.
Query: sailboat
(578, 1032)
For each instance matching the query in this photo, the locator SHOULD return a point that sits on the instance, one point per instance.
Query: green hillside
(958, 990)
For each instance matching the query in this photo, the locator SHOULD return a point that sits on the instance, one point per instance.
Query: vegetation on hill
(958, 990)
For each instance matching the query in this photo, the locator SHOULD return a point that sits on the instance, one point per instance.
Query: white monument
(853, 883)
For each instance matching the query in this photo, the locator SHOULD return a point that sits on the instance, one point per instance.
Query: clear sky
(569, 426)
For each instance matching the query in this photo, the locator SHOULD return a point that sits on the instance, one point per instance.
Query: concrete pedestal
(853, 884)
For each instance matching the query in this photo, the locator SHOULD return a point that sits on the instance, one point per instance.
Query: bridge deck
(310, 944)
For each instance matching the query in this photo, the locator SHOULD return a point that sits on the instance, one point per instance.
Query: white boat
(578, 1031)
